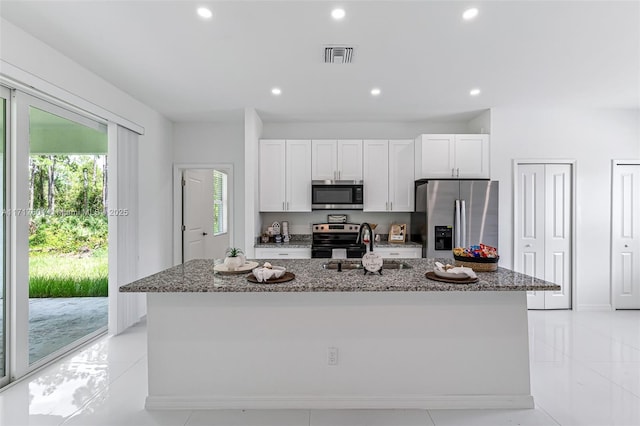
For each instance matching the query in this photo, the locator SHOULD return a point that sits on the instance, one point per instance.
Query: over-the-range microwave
(336, 195)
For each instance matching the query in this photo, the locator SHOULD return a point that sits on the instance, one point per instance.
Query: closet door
(625, 235)
(543, 225)
(529, 221)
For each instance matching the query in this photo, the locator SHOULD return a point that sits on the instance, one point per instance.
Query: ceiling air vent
(338, 55)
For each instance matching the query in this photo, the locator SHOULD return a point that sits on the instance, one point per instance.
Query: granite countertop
(198, 276)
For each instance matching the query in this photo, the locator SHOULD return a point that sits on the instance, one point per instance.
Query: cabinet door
(272, 175)
(349, 160)
(471, 156)
(376, 175)
(298, 176)
(434, 156)
(401, 181)
(324, 160)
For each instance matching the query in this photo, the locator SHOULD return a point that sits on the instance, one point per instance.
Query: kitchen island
(332, 339)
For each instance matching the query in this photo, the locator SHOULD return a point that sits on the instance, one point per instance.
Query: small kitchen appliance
(341, 237)
(336, 195)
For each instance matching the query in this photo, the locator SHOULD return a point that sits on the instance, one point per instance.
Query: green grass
(68, 275)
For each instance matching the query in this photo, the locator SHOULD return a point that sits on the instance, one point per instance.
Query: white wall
(253, 129)
(209, 143)
(592, 138)
(29, 54)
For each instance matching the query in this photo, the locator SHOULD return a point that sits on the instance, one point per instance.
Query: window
(220, 207)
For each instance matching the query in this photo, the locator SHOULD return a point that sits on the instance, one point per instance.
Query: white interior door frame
(178, 170)
(516, 212)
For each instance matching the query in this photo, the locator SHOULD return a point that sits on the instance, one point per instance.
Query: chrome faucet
(362, 235)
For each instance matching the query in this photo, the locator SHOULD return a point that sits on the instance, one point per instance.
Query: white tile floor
(585, 370)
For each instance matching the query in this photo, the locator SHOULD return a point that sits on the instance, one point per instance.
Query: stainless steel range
(340, 237)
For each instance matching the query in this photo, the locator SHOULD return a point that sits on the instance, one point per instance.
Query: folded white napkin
(262, 274)
(456, 270)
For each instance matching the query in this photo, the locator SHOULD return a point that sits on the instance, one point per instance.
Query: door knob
(204, 233)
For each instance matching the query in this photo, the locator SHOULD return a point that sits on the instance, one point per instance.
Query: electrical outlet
(332, 356)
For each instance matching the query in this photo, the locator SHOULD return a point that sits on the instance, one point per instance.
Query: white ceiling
(421, 54)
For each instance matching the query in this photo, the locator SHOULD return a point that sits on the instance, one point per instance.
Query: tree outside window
(219, 202)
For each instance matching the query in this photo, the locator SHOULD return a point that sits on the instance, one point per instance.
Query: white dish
(244, 268)
(263, 274)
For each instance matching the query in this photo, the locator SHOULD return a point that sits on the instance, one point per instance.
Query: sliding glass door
(61, 267)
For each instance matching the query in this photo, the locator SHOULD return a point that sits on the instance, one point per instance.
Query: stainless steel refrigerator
(454, 213)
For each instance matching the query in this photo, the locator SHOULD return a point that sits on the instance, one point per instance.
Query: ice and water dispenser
(444, 237)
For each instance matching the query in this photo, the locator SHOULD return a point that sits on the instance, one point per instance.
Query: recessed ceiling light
(338, 13)
(469, 14)
(276, 91)
(474, 92)
(205, 13)
(375, 91)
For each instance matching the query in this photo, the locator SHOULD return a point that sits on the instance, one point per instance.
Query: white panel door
(625, 238)
(376, 175)
(401, 181)
(529, 222)
(349, 159)
(272, 175)
(298, 176)
(324, 160)
(557, 263)
(194, 209)
(543, 230)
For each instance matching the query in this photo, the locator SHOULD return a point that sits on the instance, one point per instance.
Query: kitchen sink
(357, 264)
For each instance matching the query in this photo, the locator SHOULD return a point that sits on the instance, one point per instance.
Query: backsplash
(300, 223)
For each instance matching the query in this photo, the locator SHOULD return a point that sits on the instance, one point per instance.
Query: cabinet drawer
(400, 252)
(283, 253)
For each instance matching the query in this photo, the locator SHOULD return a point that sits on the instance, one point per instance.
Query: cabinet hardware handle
(528, 245)
(283, 254)
(394, 254)
(287, 205)
(386, 205)
(626, 245)
(452, 175)
(457, 172)
(283, 205)
(204, 233)
(391, 204)
(339, 174)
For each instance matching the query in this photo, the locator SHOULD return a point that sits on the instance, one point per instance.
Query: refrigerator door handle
(456, 222)
(463, 222)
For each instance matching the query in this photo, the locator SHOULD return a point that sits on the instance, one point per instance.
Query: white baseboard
(605, 307)
(346, 402)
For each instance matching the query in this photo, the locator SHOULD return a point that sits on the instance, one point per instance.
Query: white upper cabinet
(452, 156)
(272, 175)
(376, 175)
(285, 186)
(336, 159)
(388, 175)
(401, 177)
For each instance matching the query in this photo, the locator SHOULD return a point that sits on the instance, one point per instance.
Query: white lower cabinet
(283, 253)
(399, 252)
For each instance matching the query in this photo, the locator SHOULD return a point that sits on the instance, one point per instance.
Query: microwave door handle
(456, 226)
(463, 222)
